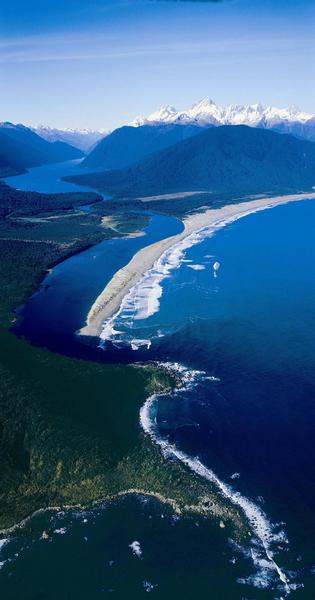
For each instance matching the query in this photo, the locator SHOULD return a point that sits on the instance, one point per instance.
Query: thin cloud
(199, 1)
(45, 49)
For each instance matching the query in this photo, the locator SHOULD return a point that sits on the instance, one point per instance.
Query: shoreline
(180, 506)
(97, 503)
(110, 299)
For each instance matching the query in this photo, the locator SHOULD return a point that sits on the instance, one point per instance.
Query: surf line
(260, 525)
(139, 291)
(143, 298)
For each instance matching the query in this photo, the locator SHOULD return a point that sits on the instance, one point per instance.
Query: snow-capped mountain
(84, 139)
(207, 112)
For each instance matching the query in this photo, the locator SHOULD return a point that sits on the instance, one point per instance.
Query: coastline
(110, 299)
(201, 498)
(19, 525)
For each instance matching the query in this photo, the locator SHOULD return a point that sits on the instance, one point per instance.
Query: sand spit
(176, 196)
(109, 301)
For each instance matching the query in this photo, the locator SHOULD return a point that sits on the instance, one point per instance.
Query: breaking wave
(143, 299)
(135, 548)
(264, 534)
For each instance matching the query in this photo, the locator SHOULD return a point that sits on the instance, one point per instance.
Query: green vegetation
(16, 202)
(233, 160)
(59, 219)
(69, 429)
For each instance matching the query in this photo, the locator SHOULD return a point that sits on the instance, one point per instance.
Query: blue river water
(251, 419)
(48, 179)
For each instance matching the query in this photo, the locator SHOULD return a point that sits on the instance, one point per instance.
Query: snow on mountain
(207, 112)
(84, 139)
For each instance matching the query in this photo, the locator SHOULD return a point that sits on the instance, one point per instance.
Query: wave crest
(264, 534)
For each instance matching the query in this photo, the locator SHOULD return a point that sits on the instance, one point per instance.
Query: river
(250, 417)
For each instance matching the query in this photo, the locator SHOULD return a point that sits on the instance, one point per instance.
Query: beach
(110, 299)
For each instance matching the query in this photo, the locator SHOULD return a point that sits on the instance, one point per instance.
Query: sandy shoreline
(109, 301)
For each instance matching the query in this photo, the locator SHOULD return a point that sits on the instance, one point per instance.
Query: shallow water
(252, 328)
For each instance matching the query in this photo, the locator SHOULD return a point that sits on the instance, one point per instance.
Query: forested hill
(227, 159)
(19, 203)
(127, 145)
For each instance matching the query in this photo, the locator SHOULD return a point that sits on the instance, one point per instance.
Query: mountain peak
(204, 103)
(207, 112)
(164, 114)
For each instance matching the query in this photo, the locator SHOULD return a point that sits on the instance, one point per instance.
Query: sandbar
(109, 301)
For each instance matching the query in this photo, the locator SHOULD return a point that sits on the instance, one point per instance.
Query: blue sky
(75, 63)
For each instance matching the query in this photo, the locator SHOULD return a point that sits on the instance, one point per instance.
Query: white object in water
(136, 549)
(216, 267)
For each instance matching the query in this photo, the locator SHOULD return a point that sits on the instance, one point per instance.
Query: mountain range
(127, 145)
(203, 113)
(21, 148)
(175, 150)
(207, 112)
(221, 160)
(84, 139)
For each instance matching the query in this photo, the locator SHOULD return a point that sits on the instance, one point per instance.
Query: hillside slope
(227, 159)
(127, 145)
(21, 148)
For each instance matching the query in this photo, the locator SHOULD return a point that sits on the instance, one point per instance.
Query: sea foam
(136, 549)
(143, 299)
(264, 534)
(3, 541)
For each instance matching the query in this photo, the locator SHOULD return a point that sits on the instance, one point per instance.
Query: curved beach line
(261, 527)
(113, 299)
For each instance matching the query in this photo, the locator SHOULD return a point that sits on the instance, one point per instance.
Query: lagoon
(250, 329)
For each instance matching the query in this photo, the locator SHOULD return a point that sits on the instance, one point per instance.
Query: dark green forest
(69, 429)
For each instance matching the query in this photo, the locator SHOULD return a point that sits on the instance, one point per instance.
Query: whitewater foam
(263, 531)
(197, 267)
(136, 344)
(136, 549)
(3, 541)
(148, 585)
(143, 299)
(61, 530)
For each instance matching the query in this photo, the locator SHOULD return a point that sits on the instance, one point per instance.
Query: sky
(101, 63)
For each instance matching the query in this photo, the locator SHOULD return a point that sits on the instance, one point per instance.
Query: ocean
(246, 418)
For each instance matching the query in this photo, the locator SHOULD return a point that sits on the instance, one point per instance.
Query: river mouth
(241, 328)
(58, 309)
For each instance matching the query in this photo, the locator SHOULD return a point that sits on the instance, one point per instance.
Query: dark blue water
(60, 307)
(88, 556)
(253, 328)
